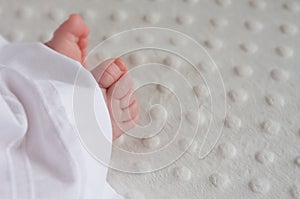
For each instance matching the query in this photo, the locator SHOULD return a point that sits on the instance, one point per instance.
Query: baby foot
(71, 38)
(116, 85)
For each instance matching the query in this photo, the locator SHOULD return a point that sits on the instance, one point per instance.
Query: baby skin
(71, 40)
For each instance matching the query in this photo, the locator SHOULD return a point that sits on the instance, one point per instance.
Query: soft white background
(256, 45)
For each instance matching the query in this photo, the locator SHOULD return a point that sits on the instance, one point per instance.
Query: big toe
(71, 38)
(74, 25)
(120, 88)
(109, 72)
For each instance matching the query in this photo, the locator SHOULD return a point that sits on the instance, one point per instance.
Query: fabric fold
(55, 127)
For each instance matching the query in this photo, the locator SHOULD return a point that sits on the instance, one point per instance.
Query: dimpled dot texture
(256, 46)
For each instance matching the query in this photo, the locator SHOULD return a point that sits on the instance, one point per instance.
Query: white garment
(41, 153)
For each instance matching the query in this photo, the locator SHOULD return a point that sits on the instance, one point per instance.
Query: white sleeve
(42, 154)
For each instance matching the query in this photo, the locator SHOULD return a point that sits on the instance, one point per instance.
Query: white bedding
(255, 44)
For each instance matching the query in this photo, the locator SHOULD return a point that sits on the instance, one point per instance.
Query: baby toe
(114, 70)
(109, 72)
(120, 127)
(117, 131)
(98, 72)
(130, 124)
(120, 88)
(114, 109)
(83, 43)
(106, 80)
(130, 112)
(128, 99)
(121, 64)
(135, 113)
(136, 119)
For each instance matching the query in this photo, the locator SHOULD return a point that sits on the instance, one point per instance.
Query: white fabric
(41, 154)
